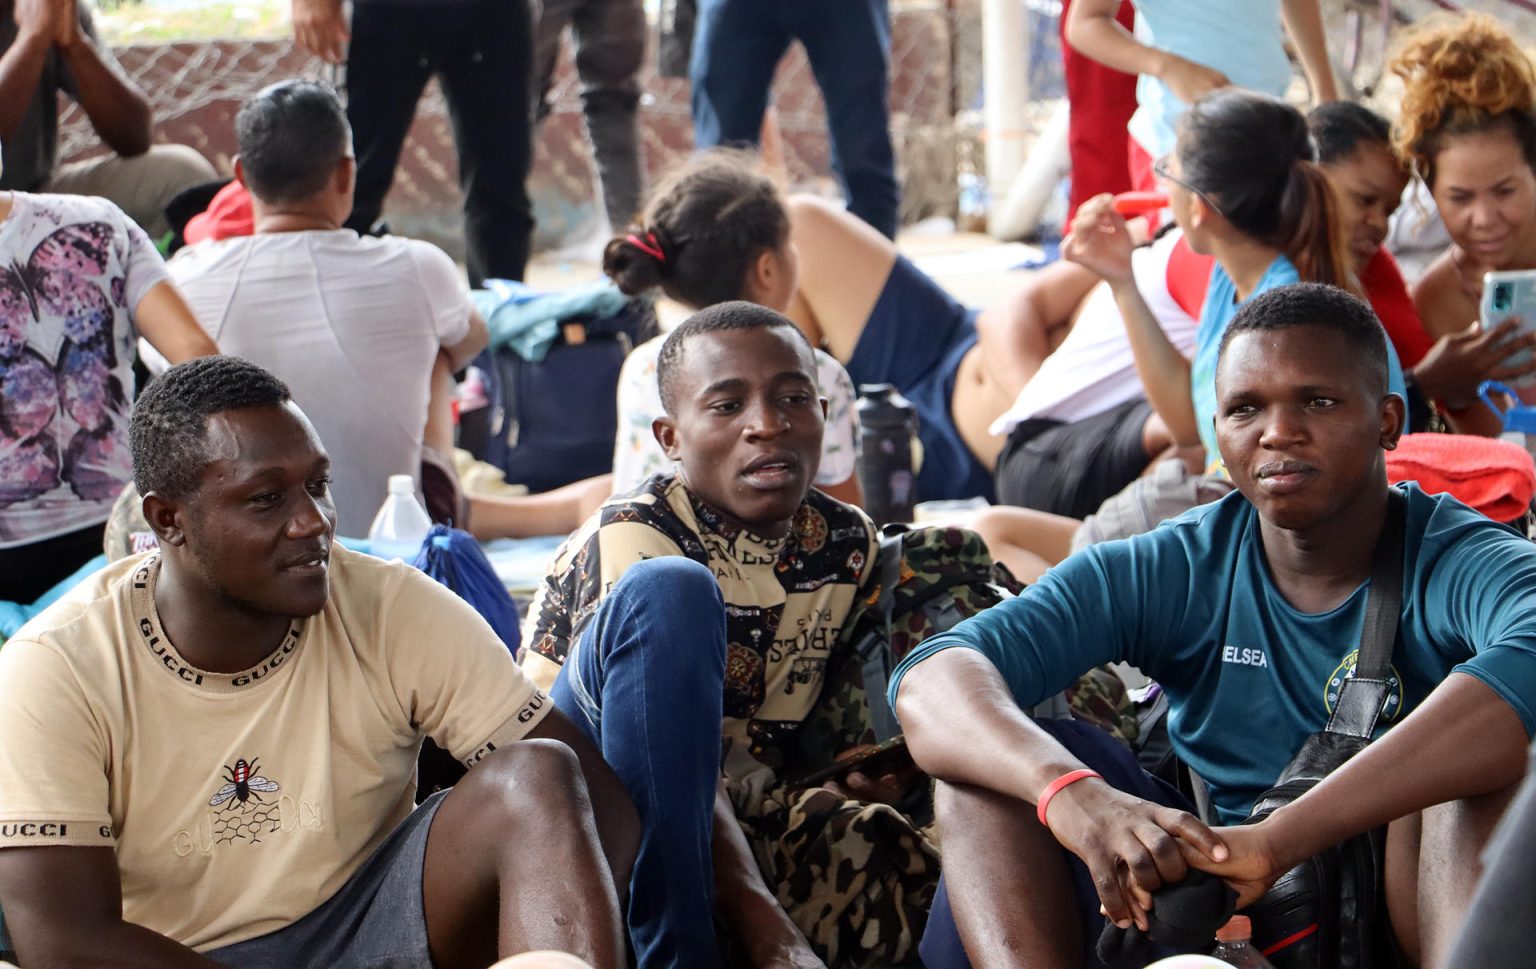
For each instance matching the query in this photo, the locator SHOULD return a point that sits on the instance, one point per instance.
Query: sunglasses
(1160, 169)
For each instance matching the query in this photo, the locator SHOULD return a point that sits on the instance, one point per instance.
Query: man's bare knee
(528, 781)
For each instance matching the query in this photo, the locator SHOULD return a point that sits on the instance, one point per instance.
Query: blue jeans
(737, 45)
(646, 681)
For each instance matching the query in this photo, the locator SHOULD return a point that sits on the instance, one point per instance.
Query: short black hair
(169, 427)
(735, 315)
(292, 135)
(1319, 305)
(1339, 128)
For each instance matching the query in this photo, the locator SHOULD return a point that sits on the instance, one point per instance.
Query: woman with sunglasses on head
(1244, 185)
(1468, 128)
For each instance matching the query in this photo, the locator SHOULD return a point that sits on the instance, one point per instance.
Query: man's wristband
(1054, 788)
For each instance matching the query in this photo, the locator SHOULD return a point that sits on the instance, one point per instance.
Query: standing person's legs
(646, 680)
(736, 47)
(1103, 100)
(849, 46)
(141, 186)
(610, 47)
(554, 17)
(388, 64)
(488, 83)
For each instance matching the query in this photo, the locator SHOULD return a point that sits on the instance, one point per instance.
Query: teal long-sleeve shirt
(1248, 676)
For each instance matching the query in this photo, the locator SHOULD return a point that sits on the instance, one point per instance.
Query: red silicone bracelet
(1054, 788)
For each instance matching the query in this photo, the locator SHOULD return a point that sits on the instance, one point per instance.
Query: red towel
(227, 216)
(1495, 477)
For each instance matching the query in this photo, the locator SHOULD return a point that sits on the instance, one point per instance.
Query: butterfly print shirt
(72, 269)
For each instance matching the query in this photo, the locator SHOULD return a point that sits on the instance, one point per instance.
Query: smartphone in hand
(873, 760)
(1511, 294)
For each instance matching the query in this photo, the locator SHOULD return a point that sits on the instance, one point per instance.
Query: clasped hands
(1133, 847)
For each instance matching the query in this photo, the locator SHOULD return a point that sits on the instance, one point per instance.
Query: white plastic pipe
(1024, 199)
(1005, 83)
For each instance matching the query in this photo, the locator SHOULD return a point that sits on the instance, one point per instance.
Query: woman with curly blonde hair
(1468, 128)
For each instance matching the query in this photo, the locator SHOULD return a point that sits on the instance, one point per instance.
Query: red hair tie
(648, 245)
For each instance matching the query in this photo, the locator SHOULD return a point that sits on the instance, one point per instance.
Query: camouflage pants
(857, 879)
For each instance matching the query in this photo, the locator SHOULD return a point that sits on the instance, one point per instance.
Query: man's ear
(240, 173)
(164, 517)
(346, 175)
(1394, 415)
(665, 429)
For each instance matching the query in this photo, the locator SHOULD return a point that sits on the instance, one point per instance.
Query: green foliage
(150, 22)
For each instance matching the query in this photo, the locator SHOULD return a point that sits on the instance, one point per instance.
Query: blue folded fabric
(528, 320)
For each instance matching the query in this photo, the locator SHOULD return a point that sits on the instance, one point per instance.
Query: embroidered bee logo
(243, 784)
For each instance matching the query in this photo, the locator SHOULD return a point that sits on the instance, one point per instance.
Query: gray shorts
(376, 920)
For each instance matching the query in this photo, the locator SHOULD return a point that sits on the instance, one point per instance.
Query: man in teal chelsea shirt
(1248, 612)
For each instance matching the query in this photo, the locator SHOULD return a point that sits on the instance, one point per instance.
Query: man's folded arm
(963, 696)
(1464, 741)
(64, 910)
(1469, 736)
(964, 726)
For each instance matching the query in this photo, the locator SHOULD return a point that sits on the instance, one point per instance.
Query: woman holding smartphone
(1468, 129)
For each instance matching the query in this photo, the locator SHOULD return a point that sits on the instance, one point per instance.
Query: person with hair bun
(1245, 187)
(1468, 129)
(717, 230)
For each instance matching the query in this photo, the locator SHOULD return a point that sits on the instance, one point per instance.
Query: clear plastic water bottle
(887, 427)
(1234, 945)
(971, 180)
(401, 524)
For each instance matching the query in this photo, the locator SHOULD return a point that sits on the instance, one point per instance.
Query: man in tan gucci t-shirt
(223, 735)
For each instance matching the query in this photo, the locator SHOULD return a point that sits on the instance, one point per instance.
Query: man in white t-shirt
(207, 753)
(353, 325)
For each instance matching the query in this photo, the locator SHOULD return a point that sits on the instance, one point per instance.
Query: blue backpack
(554, 422)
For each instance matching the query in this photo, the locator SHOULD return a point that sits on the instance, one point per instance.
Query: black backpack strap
(1362, 695)
(874, 648)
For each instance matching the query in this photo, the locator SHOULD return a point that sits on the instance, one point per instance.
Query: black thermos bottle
(888, 424)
